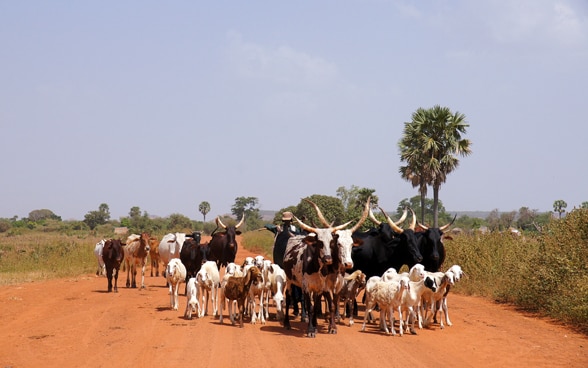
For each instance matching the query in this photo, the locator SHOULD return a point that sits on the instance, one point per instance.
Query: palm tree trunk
(436, 205)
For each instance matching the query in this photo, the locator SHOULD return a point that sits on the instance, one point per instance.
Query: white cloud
(282, 64)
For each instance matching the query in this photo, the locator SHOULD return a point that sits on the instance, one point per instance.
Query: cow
(305, 261)
(98, 253)
(431, 246)
(193, 254)
(112, 254)
(170, 247)
(154, 255)
(428, 241)
(136, 251)
(377, 250)
(223, 245)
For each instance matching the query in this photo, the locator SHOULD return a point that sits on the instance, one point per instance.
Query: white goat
(208, 281)
(175, 274)
(277, 279)
(412, 298)
(388, 295)
(453, 274)
(192, 304)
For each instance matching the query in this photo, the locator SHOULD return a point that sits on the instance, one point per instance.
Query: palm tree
(204, 208)
(560, 206)
(430, 145)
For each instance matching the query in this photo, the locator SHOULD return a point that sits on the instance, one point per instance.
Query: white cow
(170, 247)
(101, 271)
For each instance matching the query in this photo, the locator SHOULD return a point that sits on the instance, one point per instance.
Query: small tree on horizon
(559, 206)
(204, 208)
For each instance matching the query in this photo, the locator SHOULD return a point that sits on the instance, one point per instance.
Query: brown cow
(154, 255)
(136, 252)
(112, 254)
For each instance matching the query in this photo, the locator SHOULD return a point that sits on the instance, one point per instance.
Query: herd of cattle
(330, 262)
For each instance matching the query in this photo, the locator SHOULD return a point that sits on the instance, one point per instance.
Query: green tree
(179, 222)
(331, 207)
(525, 219)
(429, 146)
(354, 199)
(204, 208)
(584, 205)
(559, 206)
(44, 214)
(247, 206)
(134, 212)
(100, 217)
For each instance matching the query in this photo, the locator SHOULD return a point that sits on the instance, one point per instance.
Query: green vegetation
(545, 273)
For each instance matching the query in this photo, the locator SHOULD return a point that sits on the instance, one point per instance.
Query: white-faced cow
(223, 245)
(305, 262)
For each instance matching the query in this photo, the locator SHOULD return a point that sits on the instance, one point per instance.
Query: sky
(164, 105)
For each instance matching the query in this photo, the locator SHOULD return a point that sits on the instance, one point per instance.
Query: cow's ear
(310, 238)
(238, 232)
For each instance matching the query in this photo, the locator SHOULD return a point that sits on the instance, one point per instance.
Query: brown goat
(237, 288)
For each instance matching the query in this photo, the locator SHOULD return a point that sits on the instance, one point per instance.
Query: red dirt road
(75, 323)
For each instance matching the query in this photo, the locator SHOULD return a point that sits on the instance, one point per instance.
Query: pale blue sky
(163, 105)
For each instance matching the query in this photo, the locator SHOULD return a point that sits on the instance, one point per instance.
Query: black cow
(223, 245)
(113, 256)
(384, 247)
(193, 254)
(431, 246)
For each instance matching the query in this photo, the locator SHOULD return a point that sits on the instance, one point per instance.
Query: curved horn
(304, 226)
(220, 223)
(341, 227)
(444, 227)
(403, 217)
(318, 212)
(364, 216)
(240, 222)
(414, 221)
(374, 219)
(394, 227)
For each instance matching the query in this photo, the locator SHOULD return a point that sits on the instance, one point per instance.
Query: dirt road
(75, 323)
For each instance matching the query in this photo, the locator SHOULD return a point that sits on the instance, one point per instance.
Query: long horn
(240, 222)
(414, 221)
(374, 219)
(304, 226)
(403, 217)
(364, 216)
(343, 226)
(444, 227)
(394, 227)
(220, 223)
(318, 212)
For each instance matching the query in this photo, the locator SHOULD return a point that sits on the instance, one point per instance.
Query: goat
(192, 304)
(388, 295)
(256, 291)
(412, 298)
(277, 282)
(237, 288)
(175, 274)
(352, 285)
(208, 281)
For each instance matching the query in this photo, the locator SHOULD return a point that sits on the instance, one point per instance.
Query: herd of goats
(334, 263)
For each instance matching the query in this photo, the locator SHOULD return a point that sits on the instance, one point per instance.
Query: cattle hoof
(311, 334)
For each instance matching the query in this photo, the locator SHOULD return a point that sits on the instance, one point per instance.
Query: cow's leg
(287, 312)
(134, 276)
(332, 300)
(116, 270)
(313, 306)
(109, 277)
(128, 267)
(143, 276)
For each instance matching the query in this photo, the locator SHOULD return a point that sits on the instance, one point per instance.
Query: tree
(559, 206)
(204, 208)
(525, 219)
(430, 145)
(353, 201)
(100, 217)
(584, 205)
(331, 207)
(134, 212)
(247, 206)
(428, 217)
(44, 214)
(179, 222)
